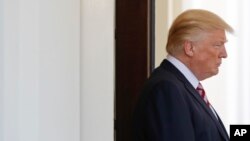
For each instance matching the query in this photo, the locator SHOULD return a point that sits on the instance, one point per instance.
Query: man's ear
(188, 48)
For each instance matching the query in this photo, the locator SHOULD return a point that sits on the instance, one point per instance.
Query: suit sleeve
(165, 115)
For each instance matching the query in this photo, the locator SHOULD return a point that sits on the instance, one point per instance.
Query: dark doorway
(134, 58)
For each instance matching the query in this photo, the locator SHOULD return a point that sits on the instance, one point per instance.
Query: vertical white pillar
(40, 70)
(28, 72)
(97, 70)
(1, 70)
(10, 70)
(59, 70)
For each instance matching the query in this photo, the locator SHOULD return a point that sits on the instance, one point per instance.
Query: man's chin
(215, 72)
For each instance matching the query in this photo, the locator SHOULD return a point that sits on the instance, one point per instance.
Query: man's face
(208, 54)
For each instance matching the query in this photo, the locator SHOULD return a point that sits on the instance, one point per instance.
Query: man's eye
(218, 45)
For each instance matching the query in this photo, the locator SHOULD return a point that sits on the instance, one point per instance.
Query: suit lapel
(223, 127)
(168, 66)
(217, 122)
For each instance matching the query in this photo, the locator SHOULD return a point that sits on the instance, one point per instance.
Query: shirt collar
(184, 70)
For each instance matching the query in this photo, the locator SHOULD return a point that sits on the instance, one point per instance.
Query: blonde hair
(190, 25)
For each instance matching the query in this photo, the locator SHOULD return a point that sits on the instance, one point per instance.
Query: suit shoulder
(161, 75)
(161, 78)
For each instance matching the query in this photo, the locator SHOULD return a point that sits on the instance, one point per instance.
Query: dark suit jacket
(170, 109)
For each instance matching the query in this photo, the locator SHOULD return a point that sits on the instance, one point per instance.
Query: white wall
(162, 23)
(165, 12)
(56, 70)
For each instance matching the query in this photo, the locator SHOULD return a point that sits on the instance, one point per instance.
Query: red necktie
(202, 94)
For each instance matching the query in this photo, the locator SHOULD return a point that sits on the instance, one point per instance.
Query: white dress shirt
(184, 70)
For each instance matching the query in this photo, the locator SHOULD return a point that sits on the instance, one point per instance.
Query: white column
(1, 71)
(10, 70)
(97, 70)
(40, 67)
(40, 70)
(59, 70)
(28, 70)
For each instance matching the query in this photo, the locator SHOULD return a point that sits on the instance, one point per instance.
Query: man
(173, 104)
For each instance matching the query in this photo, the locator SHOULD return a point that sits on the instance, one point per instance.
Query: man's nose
(223, 52)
